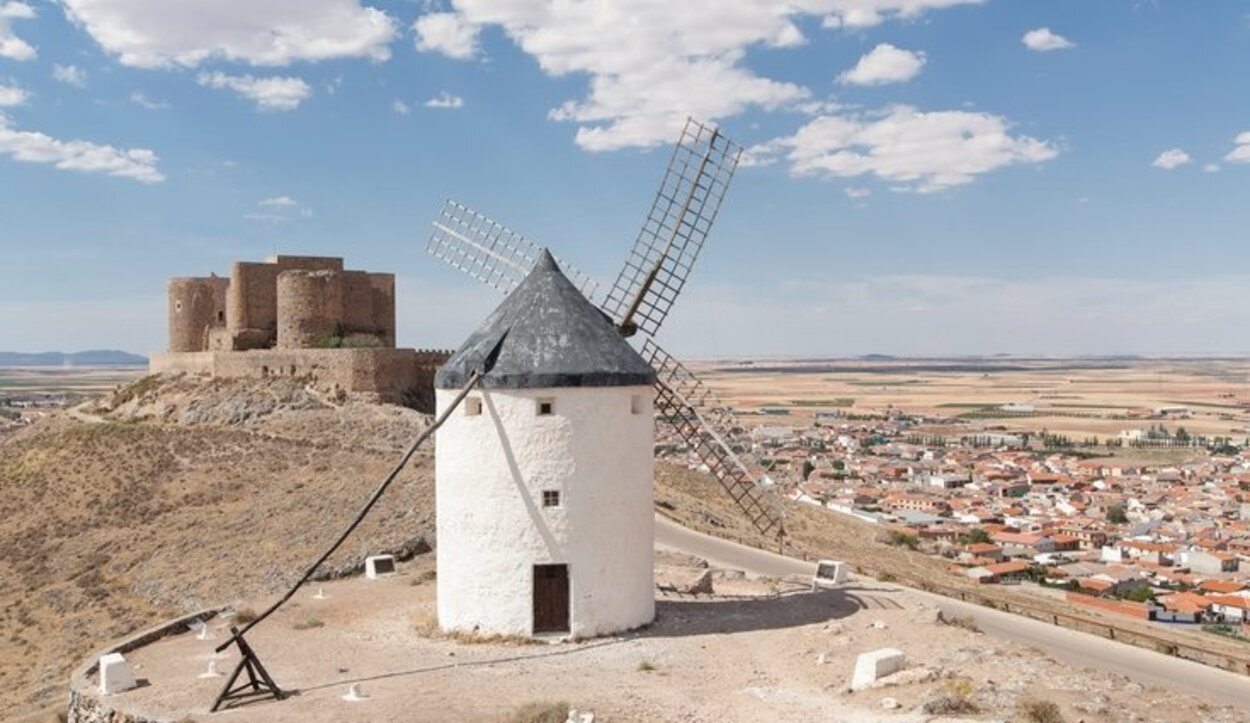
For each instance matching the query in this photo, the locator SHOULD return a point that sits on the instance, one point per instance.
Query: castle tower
(196, 305)
(545, 472)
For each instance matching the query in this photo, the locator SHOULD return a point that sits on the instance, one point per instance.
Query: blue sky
(919, 178)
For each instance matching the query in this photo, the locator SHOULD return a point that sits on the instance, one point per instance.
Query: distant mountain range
(90, 358)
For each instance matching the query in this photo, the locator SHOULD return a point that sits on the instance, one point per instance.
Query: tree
(1117, 515)
(975, 536)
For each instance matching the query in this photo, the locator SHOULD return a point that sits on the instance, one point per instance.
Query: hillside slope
(185, 495)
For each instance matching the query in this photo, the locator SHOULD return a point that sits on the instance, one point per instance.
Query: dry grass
(309, 624)
(106, 529)
(956, 699)
(540, 712)
(1034, 710)
(425, 624)
(963, 621)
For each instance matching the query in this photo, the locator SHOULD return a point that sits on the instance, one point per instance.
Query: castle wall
(252, 303)
(252, 313)
(492, 469)
(388, 375)
(196, 305)
(314, 304)
(310, 305)
(383, 287)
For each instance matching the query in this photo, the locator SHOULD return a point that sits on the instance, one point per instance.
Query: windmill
(654, 274)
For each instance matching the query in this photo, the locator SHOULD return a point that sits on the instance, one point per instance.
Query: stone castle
(298, 316)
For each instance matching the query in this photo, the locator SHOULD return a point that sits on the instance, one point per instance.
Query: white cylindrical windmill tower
(545, 472)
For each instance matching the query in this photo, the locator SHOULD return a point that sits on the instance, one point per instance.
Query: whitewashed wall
(492, 528)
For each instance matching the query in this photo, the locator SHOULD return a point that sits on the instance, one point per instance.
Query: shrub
(1033, 710)
(645, 666)
(964, 621)
(540, 712)
(956, 701)
(950, 705)
(902, 539)
(309, 624)
(134, 390)
(245, 616)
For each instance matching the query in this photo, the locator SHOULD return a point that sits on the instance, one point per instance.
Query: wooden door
(551, 598)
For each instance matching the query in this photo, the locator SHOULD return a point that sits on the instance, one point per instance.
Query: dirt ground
(753, 651)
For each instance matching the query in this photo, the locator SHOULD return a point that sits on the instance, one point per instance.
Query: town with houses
(1167, 543)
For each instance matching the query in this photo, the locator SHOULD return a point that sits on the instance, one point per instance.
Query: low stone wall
(388, 374)
(87, 705)
(1119, 607)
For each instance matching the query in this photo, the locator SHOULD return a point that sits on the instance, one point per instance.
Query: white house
(544, 474)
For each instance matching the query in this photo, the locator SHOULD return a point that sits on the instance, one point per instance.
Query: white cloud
(11, 46)
(32, 147)
(279, 210)
(1043, 40)
(445, 101)
(140, 99)
(400, 107)
(857, 192)
(858, 14)
(160, 33)
(12, 95)
(1170, 159)
(652, 63)
(915, 150)
(884, 64)
(447, 33)
(1211, 168)
(270, 94)
(1241, 152)
(70, 75)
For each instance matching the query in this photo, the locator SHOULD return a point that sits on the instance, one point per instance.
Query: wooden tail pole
(258, 681)
(249, 662)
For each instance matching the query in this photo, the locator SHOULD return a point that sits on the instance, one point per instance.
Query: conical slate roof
(552, 337)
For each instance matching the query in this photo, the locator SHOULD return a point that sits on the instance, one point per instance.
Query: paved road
(1081, 649)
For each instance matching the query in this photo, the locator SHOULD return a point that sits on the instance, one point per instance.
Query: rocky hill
(174, 494)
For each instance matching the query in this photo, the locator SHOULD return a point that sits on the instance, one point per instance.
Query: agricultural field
(85, 381)
(1077, 398)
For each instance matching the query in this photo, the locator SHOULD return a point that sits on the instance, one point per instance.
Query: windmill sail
(684, 402)
(676, 227)
(491, 252)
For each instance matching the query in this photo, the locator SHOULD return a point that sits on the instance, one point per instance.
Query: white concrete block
(355, 693)
(829, 573)
(379, 566)
(871, 666)
(115, 674)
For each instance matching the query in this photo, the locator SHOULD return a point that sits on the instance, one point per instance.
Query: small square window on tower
(473, 406)
(551, 498)
(546, 407)
(636, 403)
